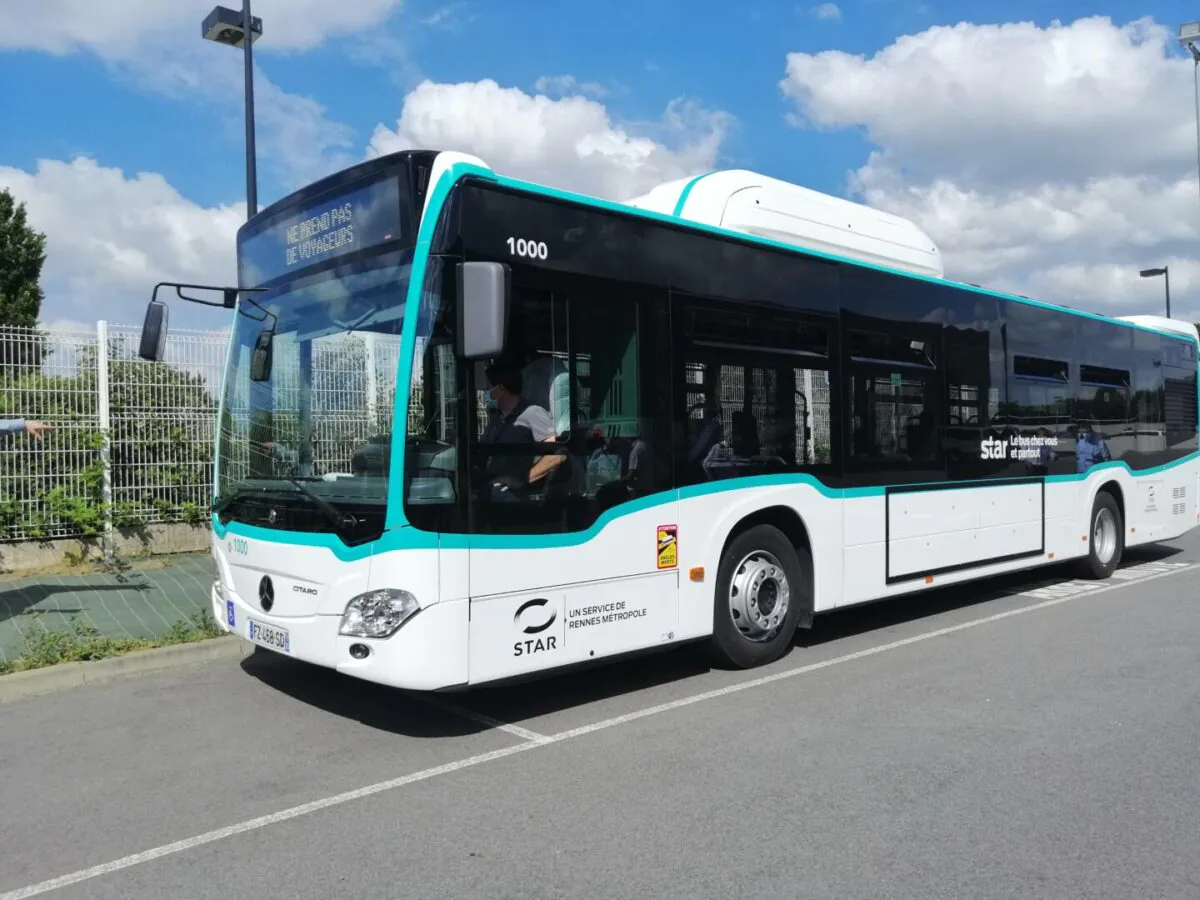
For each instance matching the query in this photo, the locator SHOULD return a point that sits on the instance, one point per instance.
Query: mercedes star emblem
(266, 593)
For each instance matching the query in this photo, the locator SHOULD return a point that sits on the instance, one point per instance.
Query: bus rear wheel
(763, 583)
(1106, 540)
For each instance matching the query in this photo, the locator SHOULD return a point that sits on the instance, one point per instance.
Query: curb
(35, 682)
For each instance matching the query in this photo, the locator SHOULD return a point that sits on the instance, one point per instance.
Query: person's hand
(37, 429)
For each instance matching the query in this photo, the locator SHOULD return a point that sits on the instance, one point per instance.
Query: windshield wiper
(336, 517)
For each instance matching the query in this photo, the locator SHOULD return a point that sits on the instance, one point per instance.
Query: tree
(22, 255)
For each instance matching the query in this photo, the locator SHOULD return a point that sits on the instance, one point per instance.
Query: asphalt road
(1031, 737)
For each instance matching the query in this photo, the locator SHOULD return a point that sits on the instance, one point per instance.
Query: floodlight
(224, 26)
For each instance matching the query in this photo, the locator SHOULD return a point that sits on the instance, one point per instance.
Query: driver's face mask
(489, 396)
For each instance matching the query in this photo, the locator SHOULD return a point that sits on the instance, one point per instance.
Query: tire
(760, 572)
(1106, 538)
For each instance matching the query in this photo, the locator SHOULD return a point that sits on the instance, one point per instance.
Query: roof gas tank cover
(755, 204)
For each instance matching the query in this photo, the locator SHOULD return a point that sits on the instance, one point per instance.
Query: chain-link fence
(130, 441)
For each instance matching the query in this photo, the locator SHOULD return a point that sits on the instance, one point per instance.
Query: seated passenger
(547, 384)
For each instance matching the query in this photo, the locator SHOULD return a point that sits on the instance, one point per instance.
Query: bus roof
(730, 203)
(757, 205)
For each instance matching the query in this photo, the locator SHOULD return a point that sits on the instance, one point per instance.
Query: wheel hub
(759, 596)
(1104, 536)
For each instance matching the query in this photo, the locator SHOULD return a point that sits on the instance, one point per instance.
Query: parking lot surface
(1031, 736)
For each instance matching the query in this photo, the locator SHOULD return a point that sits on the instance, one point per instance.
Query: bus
(473, 429)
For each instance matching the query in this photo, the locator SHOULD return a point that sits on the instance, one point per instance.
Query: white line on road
(523, 733)
(536, 740)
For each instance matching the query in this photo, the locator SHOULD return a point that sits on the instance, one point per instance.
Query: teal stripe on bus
(683, 195)
(409, 538)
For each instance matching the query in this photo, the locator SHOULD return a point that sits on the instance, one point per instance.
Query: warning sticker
(668, 546)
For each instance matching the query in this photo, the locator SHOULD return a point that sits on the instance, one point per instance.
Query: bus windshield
(306, 414)
(305, 440)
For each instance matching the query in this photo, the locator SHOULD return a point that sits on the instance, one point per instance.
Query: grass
(83, 643)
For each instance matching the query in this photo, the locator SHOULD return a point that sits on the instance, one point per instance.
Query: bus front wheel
(763, 583)
(1106, 538)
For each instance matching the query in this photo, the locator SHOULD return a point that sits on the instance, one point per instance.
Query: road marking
(304, 809)
(1048, 590)
(516, 730)
(136, 859)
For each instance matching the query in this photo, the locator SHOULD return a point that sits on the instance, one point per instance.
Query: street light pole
(1165, 271)
(1189, 35)
(227, 26)
(251, 156)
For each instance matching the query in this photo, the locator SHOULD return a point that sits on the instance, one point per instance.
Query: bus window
(577, 361)
(893, 398)
(755, 394)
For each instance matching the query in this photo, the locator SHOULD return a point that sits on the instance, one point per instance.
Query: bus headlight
(377, 614)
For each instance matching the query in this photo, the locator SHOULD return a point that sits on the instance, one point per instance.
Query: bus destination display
(343, 224)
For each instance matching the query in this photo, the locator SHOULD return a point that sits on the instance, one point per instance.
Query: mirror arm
(153, 335)
(228, 301)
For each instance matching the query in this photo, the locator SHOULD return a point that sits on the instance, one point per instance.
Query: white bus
(473, 429)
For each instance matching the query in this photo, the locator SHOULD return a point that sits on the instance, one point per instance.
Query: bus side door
(574, 551)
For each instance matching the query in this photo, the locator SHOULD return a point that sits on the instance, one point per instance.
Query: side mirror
(260, 359)
(154, 332)
(483, 292)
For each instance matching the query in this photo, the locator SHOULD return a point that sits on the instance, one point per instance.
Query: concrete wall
(153, 540)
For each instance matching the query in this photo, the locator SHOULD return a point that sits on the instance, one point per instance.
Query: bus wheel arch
(764, 588)
(1105, 532)
(1118, 495)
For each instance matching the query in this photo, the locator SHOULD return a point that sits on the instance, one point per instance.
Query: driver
(514, 420)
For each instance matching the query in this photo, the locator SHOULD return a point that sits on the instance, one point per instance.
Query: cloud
(566, 85)
(571, 143)
(1010, 103)
(1052, 161)
(112, 237)
(158, 47)
(297, 137)
(827, 12)
(1017, 237)
(448, 17)
(297, 142)
(119, 29)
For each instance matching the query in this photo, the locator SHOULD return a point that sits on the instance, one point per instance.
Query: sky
(1048, 148)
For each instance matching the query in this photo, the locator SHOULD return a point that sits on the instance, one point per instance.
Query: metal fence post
(370, 385)
(102, 409)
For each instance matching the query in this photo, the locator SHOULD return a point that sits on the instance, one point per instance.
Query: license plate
(270, 637)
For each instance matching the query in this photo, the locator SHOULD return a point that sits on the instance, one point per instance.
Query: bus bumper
(427, 653)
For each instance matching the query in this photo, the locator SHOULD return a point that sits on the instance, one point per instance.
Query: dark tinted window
(878, 300)
(975, 383)
(1103, 385)
(754, 391)
(1179, 395)
(595, 242)
(892, 353)
(1146, 417)
(1035, 410)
